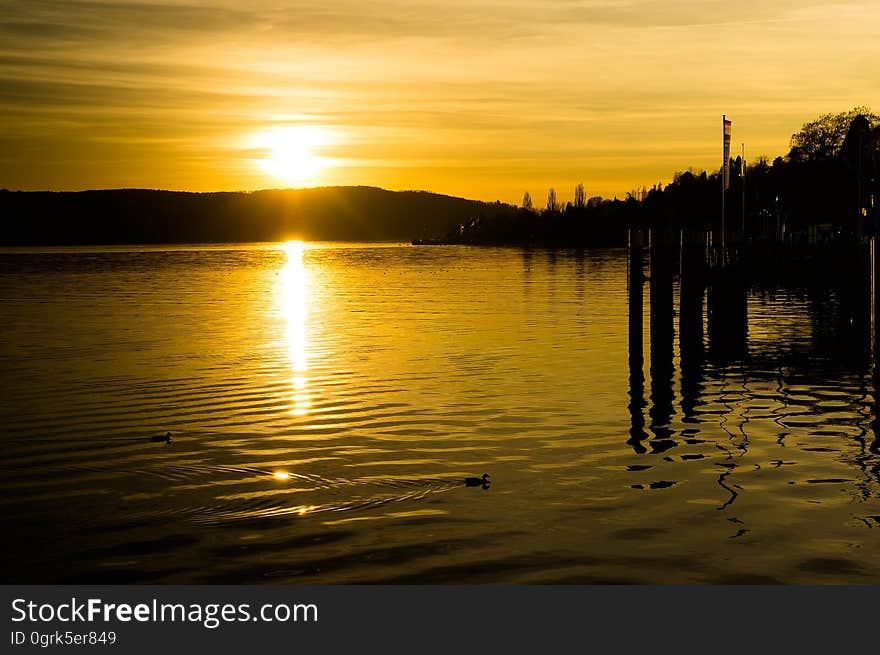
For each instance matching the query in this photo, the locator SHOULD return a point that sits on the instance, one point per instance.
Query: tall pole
(742, 175)
(859, 191)
(723, 167)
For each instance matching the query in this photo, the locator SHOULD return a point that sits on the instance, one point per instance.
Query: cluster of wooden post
(710, 295)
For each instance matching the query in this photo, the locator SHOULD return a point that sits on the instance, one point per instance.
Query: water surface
(327, 402)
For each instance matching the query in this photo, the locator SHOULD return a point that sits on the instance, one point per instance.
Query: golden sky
(477, 98)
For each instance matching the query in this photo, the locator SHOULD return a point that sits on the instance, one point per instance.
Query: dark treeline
(826, 187)
(594, 223)
(144, 216)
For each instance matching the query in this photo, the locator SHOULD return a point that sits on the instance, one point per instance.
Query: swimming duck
(161, 438)
(478, 482)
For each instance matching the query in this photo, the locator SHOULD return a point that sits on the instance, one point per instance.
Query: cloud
(59, 23)
(516, 90)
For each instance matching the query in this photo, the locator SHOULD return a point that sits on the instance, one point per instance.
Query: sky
(477, 98)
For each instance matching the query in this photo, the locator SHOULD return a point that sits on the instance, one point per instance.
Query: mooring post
(692, 286)
(635, 293)
(727, 317)
(662, 329)
(873, 272)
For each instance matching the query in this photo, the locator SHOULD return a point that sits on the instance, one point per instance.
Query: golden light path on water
(356, 387)
(293, 304)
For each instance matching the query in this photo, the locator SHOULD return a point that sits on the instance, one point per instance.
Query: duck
(478, 482)
(161, 438)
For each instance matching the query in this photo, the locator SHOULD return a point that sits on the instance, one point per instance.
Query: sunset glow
(479, 99)
(291, 154)
(293, 302)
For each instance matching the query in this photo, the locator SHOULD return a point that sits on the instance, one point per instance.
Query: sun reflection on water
(294, 309)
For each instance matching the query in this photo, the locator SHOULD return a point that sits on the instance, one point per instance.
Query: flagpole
(742, 175)
(723, 217)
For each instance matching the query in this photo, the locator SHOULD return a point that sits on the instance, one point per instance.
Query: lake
(327, 402)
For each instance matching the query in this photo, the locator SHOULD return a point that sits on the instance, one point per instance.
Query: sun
(292, 153)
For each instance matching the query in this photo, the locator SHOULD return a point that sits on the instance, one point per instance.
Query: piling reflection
(690, 326)
(728, 320)
(874, 306)
(663, 257)
(806, 363)
(635, 295)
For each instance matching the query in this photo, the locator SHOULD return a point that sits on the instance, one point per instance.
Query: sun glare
(292, 154)
(294, 302)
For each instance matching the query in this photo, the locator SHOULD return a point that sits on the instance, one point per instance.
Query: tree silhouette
(552, 204)
(527, 202)
(580, 196)
(858, 143)
(823, 138)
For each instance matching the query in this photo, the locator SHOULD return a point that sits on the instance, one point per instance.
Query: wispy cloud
(481, 98)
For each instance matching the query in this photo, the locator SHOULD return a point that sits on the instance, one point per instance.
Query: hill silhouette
(146, 216)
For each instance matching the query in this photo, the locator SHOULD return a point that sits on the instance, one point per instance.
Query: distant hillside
(144, 216)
